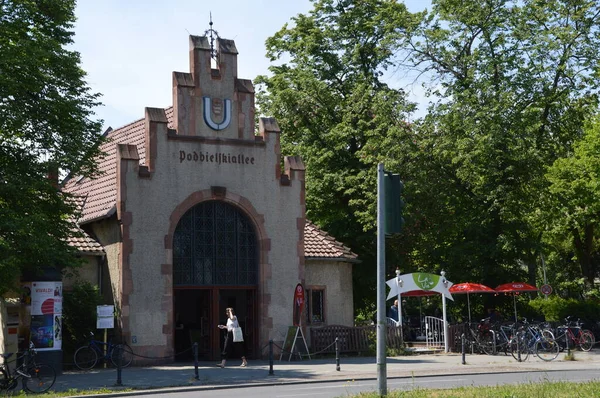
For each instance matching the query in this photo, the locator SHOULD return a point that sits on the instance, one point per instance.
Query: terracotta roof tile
(319, 244)
(84, 242)
(101, 192)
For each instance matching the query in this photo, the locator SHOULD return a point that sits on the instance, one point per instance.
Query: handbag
(238, 336)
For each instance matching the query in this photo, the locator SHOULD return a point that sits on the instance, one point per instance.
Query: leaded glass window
(214, 244)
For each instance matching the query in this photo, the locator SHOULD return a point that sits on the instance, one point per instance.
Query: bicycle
(532, 339)
(503, 334)
(86, 357)
(582, 338)
(483, 338)
(36, 377)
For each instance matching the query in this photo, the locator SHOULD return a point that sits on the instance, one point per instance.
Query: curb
(184, 388)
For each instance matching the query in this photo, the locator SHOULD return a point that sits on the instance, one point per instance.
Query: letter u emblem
(218, 108)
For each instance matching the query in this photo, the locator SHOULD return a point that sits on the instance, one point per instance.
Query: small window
(315, 306)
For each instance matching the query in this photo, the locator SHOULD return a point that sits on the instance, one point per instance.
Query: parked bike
(578, 337)
(86, 357)
(533, 339)
(36, 377)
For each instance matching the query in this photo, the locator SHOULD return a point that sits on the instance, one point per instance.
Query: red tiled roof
(80, 239)
(86, 244)
(319, 244)
(100, 195)
(101, 192)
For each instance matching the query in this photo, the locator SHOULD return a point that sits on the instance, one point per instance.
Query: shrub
(79, 314)
(556, 309)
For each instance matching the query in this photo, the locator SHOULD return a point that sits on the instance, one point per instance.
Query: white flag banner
(419, 281)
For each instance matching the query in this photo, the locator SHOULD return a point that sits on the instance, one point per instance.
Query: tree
(45, 126)
(575, 187)
(515, 82)
(334, 109)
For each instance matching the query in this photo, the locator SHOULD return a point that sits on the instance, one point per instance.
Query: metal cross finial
(210, 31)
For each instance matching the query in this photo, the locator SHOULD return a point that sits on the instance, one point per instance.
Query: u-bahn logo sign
(218, 107)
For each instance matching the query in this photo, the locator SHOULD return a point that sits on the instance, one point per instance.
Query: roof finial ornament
(213, 33)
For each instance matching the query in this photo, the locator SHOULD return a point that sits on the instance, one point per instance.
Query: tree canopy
(330, 100)
(46, 127)
(511, 84)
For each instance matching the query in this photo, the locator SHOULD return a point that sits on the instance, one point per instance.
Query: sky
(129, 48)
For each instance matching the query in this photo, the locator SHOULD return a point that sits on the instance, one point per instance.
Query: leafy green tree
(515, 81)
(45, 125)
(330, 99)
(575, 187)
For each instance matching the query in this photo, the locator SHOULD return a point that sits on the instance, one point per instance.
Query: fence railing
(357, 339)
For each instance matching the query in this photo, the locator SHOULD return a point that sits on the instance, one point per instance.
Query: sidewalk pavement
(180, 377)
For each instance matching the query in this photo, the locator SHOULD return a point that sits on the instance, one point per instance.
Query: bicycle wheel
(546, 349)
(85, 357)
(487, 343)
(41, 378)
(586, 340)
(126, 355)
(6, 383)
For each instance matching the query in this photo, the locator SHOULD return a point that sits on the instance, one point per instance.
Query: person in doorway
(393, 311)
(228, 347)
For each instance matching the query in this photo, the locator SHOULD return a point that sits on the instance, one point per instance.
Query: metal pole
(518, 348)
(446, 350)
(119, 349)
(544, 270)
(381, 324)
(271, 358)
(399, 304)
(462, 340)
(195, 349)
(337, 354)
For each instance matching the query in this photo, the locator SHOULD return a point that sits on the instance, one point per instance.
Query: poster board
(46, 315)
(105, 317)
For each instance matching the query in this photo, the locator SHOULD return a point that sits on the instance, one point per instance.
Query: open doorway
(198, 311)
(243, 303)
(193, 320)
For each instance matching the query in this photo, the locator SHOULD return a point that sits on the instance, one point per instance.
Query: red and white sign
(46, 315)
(546, 289)
(298, 304)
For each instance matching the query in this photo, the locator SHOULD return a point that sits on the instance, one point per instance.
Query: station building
(196, 211)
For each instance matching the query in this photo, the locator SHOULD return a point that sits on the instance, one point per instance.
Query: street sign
(105, 317)
(546, 289)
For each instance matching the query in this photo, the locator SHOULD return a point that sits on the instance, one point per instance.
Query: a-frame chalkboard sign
(294, 343)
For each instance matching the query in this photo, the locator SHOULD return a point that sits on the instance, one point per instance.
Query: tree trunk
(583, 248)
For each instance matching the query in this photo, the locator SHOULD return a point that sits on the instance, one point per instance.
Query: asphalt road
(348, 388)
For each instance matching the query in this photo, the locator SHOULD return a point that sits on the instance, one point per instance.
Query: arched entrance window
(215, 266)
(215, 244)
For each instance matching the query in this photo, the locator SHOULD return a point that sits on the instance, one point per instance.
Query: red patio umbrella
(515, 288)
(468, 287)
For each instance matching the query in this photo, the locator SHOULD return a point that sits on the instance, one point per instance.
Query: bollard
(518, 348)
(337, 355)
(271, 358)
(119, 349)
(567, 340)
(195, 349)
(462, 340)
